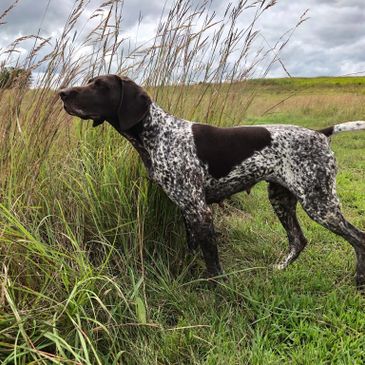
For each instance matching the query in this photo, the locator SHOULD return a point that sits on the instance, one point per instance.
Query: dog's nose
(64, 93)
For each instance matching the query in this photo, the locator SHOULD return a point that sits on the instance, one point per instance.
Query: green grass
(94, 268)
(348, 82)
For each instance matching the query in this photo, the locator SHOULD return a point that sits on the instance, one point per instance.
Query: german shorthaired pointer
(198, 164)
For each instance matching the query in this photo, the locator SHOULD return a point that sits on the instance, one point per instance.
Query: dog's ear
(134, 104)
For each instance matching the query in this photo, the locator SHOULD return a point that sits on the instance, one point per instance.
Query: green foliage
(313, 82)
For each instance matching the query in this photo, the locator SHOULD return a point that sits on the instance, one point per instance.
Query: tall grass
(81, 227)
(94, 268)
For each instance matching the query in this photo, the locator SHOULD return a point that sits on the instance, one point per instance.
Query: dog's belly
(242, 178)
(217, 193)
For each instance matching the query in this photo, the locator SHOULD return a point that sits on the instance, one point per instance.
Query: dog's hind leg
(324, 208)
(284, 204)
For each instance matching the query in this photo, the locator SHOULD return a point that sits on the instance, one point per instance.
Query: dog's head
(115, 99)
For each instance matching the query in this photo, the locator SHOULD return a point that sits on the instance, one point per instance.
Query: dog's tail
(343, 127)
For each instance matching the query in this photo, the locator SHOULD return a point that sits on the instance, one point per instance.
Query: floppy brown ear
(134, 104)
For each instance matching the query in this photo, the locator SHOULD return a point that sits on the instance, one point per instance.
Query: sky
(331, 42)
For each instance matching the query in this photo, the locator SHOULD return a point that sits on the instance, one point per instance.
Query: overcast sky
(331, 42)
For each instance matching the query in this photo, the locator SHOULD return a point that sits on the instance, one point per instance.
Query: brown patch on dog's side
(224, 148)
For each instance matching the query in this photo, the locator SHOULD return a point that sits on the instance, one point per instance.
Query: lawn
(94, 265)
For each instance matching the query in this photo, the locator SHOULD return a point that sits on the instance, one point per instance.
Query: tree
(14, 77)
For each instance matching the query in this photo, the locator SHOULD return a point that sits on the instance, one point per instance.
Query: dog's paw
(192, 246)
(360, 283)
(215, 277)
(281, 266)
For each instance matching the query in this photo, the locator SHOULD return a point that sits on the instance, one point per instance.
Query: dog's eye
(98, 82)
(101, 84)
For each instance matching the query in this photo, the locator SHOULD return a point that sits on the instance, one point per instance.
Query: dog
(198, 164)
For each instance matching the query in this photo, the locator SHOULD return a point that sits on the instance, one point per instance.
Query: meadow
(94, 267)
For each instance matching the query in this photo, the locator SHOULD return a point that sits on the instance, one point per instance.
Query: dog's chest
(171, 149)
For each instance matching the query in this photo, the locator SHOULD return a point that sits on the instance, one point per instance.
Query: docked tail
(343, 127)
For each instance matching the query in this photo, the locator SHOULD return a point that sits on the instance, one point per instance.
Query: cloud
(330, 42)
(28, 16)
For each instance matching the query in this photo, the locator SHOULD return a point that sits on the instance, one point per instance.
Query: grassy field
(94, 266)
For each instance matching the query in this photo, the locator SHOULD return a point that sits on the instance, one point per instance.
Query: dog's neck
(145, 129)
(133, 135)
(144, 134)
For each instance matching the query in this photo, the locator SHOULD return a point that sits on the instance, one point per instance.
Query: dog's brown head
(115, 99)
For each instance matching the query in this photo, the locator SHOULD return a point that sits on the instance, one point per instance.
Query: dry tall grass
(192, 44)
(67, 189)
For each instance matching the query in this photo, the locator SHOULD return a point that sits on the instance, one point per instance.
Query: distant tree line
(14, 76)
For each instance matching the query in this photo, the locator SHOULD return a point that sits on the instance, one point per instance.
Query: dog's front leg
(191, 241)
(199, 224)
(184, 185)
